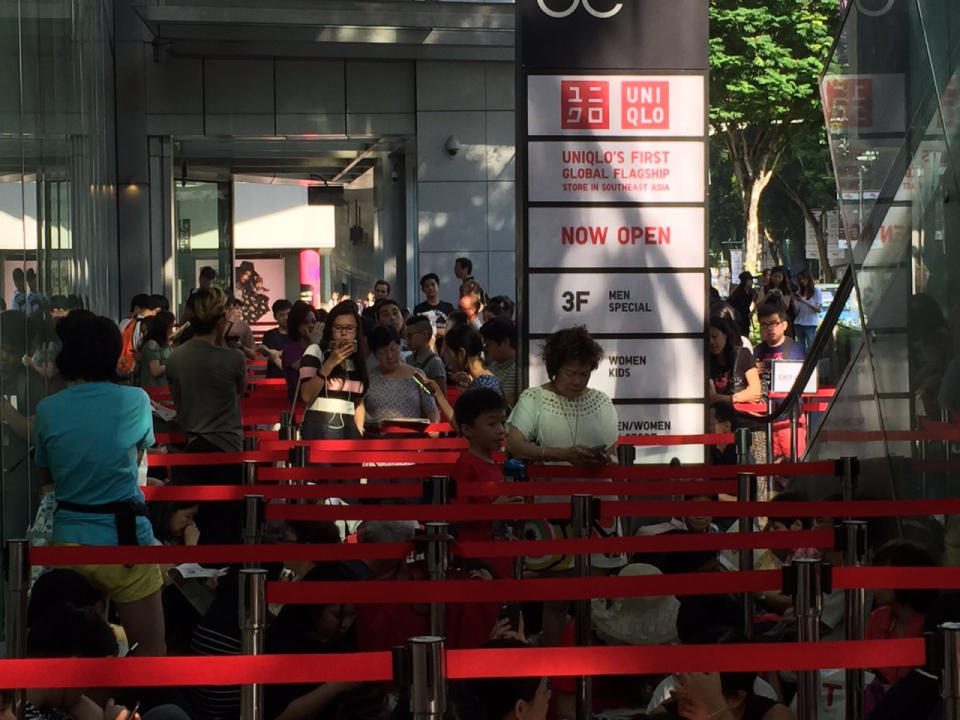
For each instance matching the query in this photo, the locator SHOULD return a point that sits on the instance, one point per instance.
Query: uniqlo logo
(585, 104)
(645, 105)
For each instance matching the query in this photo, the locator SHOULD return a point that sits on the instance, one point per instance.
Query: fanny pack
(124, 513)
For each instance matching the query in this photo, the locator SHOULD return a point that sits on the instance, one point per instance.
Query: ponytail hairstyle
(207, 306)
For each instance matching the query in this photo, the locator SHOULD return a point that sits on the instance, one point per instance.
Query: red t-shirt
(882, 626)
(472, 472)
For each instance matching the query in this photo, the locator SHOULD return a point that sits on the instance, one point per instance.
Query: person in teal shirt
(90, 438)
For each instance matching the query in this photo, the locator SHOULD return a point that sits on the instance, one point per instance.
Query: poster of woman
(258, 282)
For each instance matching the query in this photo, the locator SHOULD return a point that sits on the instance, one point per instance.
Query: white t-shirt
(805, 313)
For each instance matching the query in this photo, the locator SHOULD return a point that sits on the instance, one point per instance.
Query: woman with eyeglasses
(334, 379)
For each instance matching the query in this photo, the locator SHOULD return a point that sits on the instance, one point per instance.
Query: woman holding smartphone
(334, 380)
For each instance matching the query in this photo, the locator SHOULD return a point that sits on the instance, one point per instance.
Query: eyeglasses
(343, 328)
(771, 325)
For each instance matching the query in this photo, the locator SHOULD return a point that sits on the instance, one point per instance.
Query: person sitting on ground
(899, 613)
(393, 392)
(311, 629)
(498, 306)
(433, 308)
(303, 330)
(500, 349)
(158, 331)
(733, 375)
(238, 333)
(90, 438)
(502, 698)
(70, 632)
(334, 379)
(419, 335)
(275, 339)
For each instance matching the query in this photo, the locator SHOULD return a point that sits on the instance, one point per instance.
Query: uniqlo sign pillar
(612, 147)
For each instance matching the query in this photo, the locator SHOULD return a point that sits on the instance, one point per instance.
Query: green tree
(765, 57)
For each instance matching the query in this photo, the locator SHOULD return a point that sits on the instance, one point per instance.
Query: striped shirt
(345, 383)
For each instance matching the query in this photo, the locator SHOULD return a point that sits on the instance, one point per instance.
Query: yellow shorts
(122, 584)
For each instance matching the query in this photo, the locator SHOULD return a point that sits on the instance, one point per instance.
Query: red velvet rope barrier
(215, 554)
(706, 542)
(536, 590)
(461, 664)
(393, 444)
(422, 513)
(856, 436)
(359, 456)
(665, 440)
(233, 554)
(643, 488)
(353, 472)
(897, 578)
(210, 493)
(224, 458)
(676, 472)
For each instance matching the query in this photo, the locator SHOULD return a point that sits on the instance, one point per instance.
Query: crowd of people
(354, 373)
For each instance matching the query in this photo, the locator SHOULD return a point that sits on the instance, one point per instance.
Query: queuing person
(776, 345)
(726, 311)
(808, 302)
(138, 305)
(419, 335)
(500, 349)
(303, 330)
(205, 279)
(471, 303)
(780, 291)
(238, 333)
(744, 299)
(722, 420)
(388, 313)
(565, 421)
(733, 374)
(334, 378)
(435, 309)
(206, 380)
(499, 306)
(276, 339)
(381, 291)
(393, 392)
(462, 355)
(158, 331)
(90, 438)
(463, 270)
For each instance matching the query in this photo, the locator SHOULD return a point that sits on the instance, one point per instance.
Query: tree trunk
(753, 251)
(818, 228)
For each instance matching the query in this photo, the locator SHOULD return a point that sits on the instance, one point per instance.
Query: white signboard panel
(652, 171)
(638, 369)
(666, 419)
(618, 303)
(634, 237)
(616, 105)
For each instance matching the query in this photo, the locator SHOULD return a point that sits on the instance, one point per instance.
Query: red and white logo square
(585, 105)
(645, 105)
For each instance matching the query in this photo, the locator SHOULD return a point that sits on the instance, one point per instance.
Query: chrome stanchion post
(18, 586)
(583, 517)
(428, 692)
(950, 670)
(251, 444)
(746, 492)
(441, 490)
(249, 472)
(853, 539)
(298, 457)
(848, 468)
(252, 522)
(804, 580)
(742, 437)
(769, 432)
(795, 432)
(438, 540)
(253, 623)
(288, 431)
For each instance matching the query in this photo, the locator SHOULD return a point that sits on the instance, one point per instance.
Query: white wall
(466, 202)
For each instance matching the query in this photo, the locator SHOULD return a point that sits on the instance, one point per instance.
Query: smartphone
(419, 383)
(511, 612)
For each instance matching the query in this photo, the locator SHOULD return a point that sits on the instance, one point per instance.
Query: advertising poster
(258, 281)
